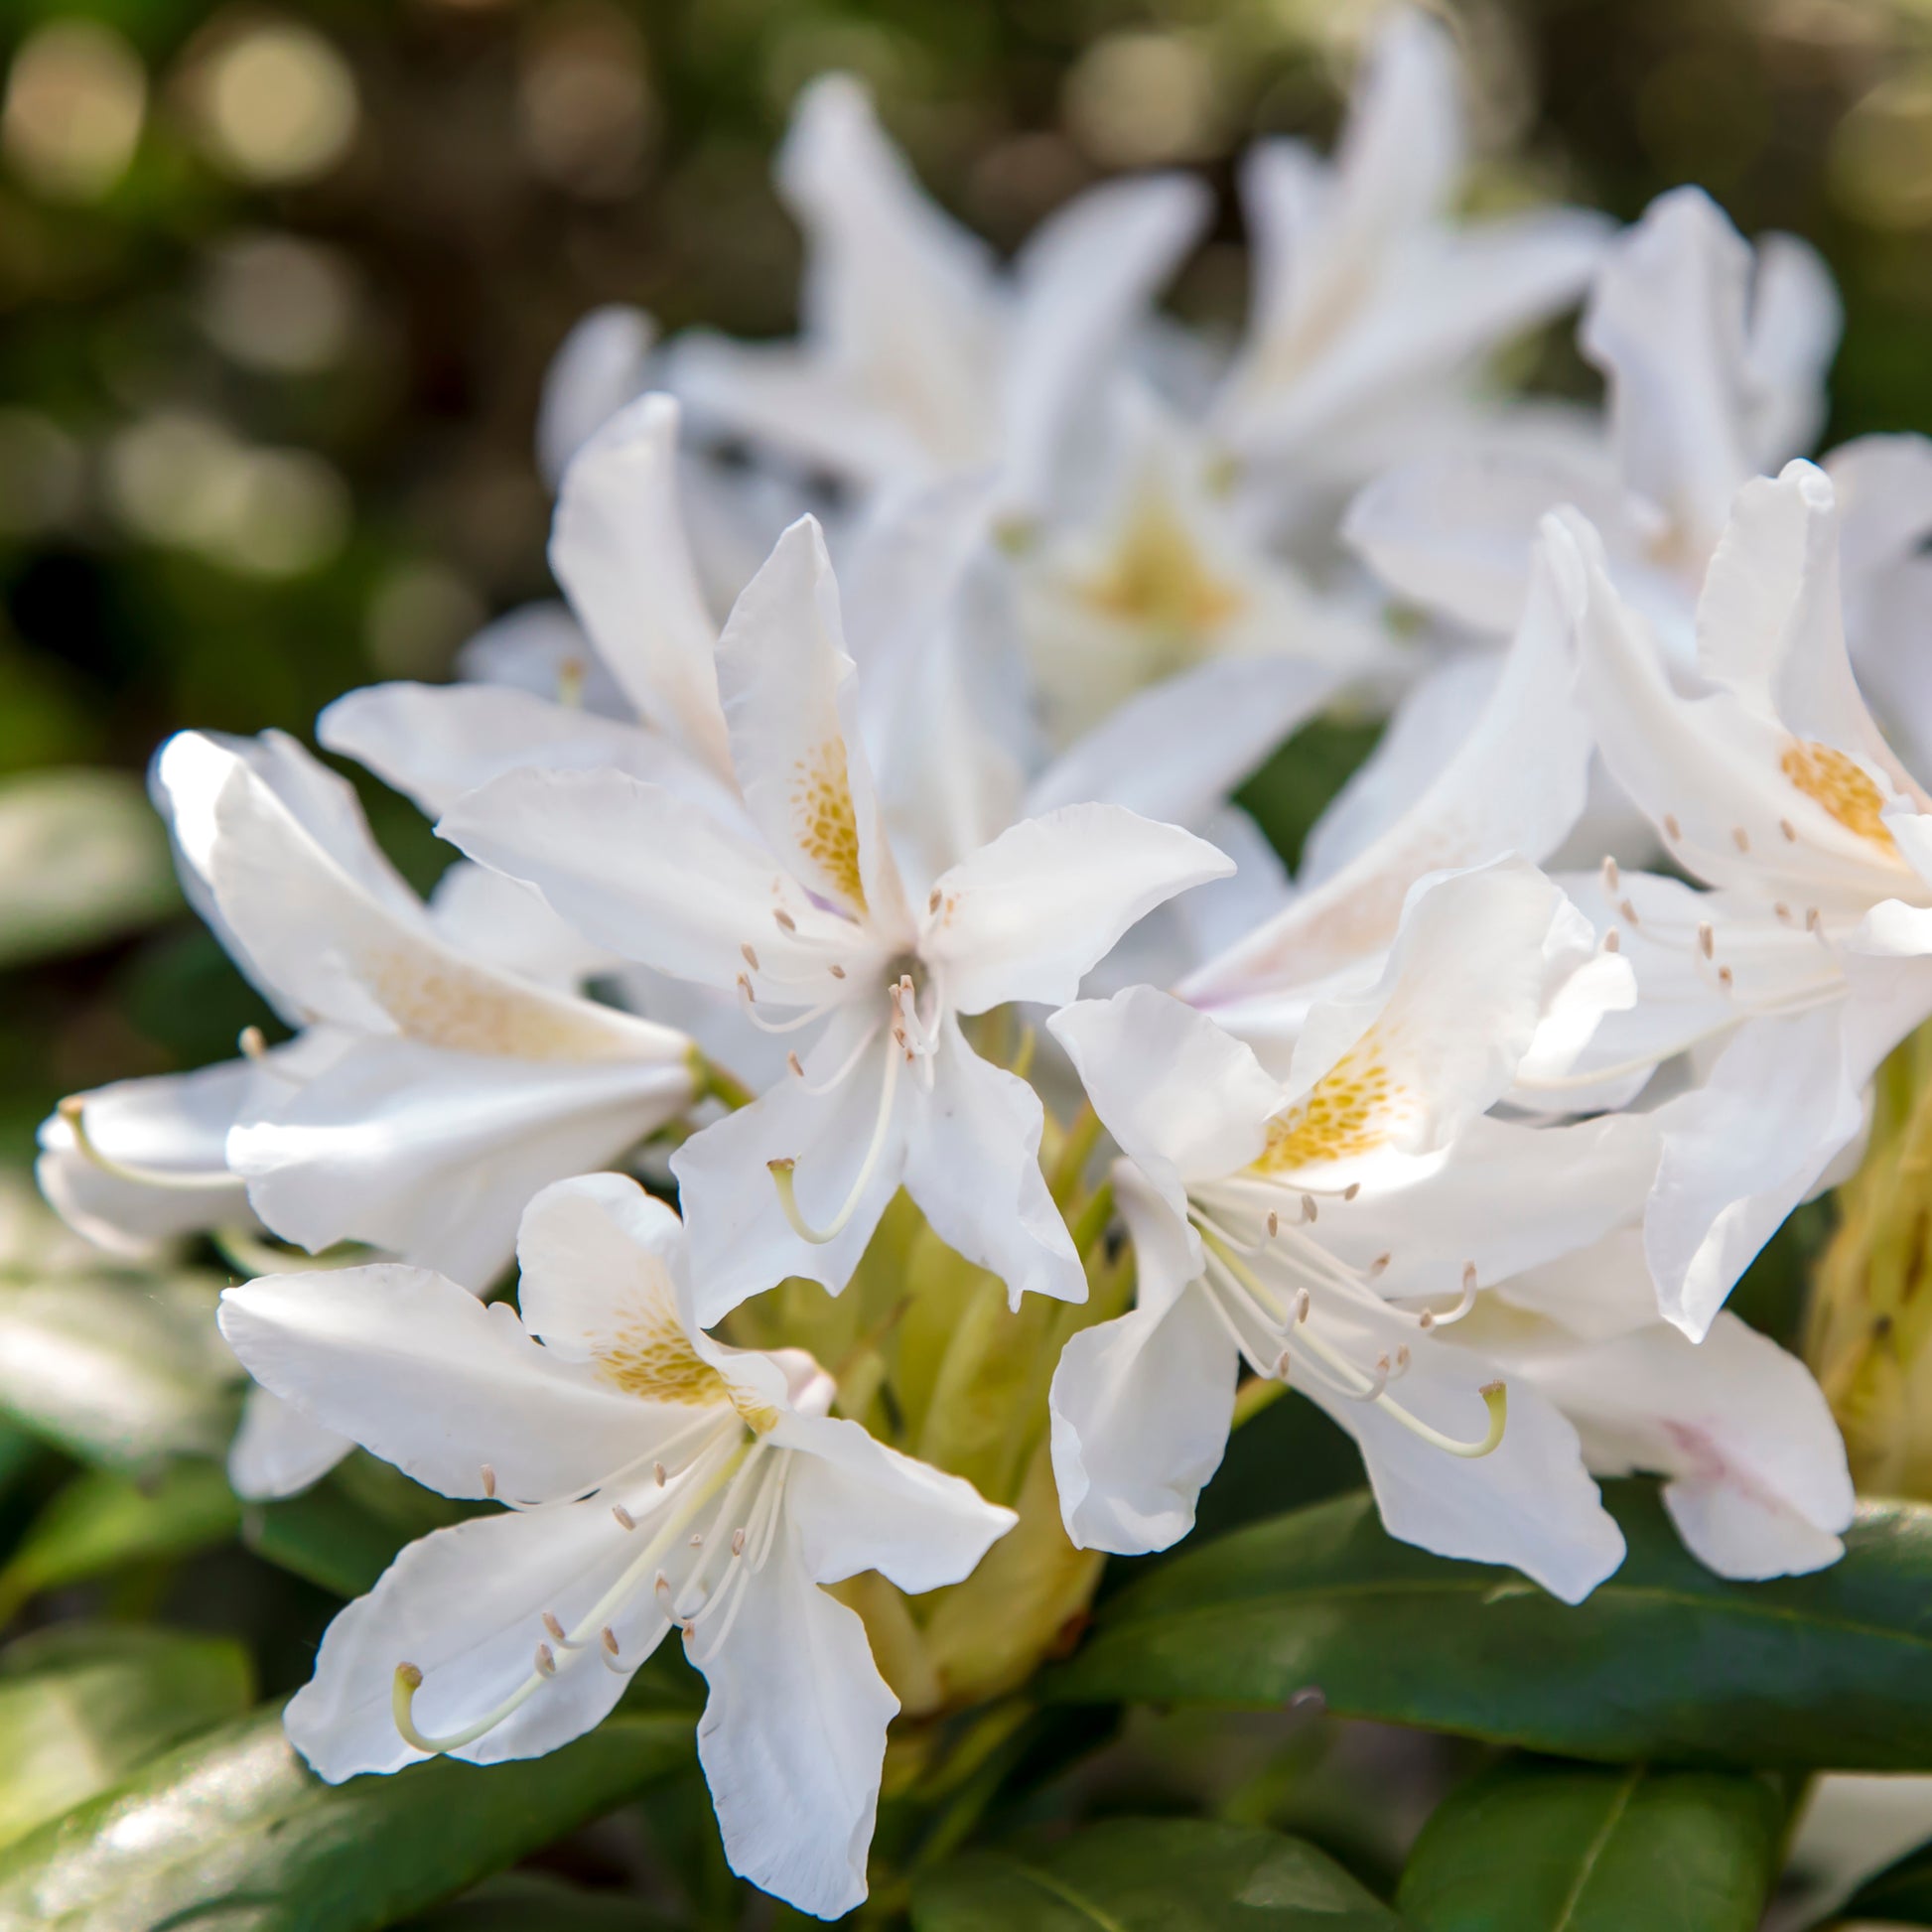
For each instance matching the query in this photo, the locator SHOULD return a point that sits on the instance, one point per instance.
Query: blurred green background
(278, 286)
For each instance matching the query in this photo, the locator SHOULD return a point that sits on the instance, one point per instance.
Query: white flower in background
(1371, 306)
(918, 358)
(1812, 955)
(1714, 357)
(432, 1088)
(1160, 577)
(796, 900)
(654, 1478)
(1326, 1227)
(1478, 767)
(1754, 1471)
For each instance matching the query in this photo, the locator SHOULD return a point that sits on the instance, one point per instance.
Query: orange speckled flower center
(1157, 577)
(828, 825)
(1346, 1114)
(652, 1357)
(1843, 787)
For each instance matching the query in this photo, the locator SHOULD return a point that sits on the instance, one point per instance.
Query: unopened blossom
(1371, 305)
(653, 1479)
(918, 358)
(1810, 954)
(807, 916)
(1326, 1228)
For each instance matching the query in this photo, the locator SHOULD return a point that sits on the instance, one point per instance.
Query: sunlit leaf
(1150, 1874)
(233, 1830)
(80, 1707)
(82, 859)
(1663, 1661)
(1564, 1847)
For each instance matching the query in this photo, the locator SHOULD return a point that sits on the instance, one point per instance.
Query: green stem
(1076, 1150)
(719, 1083)
(1254, 1395)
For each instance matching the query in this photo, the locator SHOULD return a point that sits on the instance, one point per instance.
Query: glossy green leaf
(525, 1901)
(82, 859)
(117, 1369)
(80, 1707)
(1564, 1847)
(1150, 1874)
(233, 1830)
(102, 1521)
(1663, 1661)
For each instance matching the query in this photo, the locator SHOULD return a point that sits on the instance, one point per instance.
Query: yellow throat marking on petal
(1346, 1113)
(1844, 789)
(827, 822)
(1158, 577)
(652, 1357)
(440, 1002)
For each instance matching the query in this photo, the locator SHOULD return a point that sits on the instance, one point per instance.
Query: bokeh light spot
(77, 95)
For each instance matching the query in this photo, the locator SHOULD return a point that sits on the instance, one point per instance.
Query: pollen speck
(1349, 1112)
(1844, 789)
(826, 820)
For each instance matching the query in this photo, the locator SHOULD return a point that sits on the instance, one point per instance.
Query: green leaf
(81, 1707)
(121, 1370)
(103, 1520)
(1150, 1874)
(1663, 1661)
(524, 1902)
(233, 1830)
(83, 859)
(1547, 1848)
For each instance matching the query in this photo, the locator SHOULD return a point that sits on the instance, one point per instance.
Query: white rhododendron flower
(804, 911)
(654, 1479)
(1322, 1229)
(1811, 955)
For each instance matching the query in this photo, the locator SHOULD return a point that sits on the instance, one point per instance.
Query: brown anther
(1789, 830)
(1303, 1303)
(488, 1480)
(1274, 1225)
(786, 923)
(551, 1625)
(738, 1542)
(1468, 1277)
(1613, 941)
(837, 971)
(1724, 977)
(1427, 1319)
(1707, 940)
(610, 1639)
(1672, 830)
(745, 986)
(932, 904)
(1611, 874)
(546, 1661)
(1629, 913)
(657, 1470)
(1308, 1208)
(1378, 1265)
(697, 1539)
(1783, 913)
(750, 958)
(1740, 838)
(1814, 920)
(1353, 1189)
(796, 1064)
(625, 1521)
(253, 1042)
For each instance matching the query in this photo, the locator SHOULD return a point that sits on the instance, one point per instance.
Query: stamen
(796, 1064)
(1629, 913)
(1725, 978)
(1379, 1266)
(1740, 838)
(836, 969)
(738, 1542)
(253, 1042)
(1789, 830)
(781, 1171)
(786, 923)
(607, 1655)
(1610, 877)
(1706, 938)
(1783, 913)
(1495, 1398)
(1672, 829)
(1814, 920)
(556, 1629)
(1612, 941)
(488, 1480)
(1274, 1225)
(610, 1639)
(627, 1521)
(657, 1470)
(750, 958)
(749, 1000)
(570, 683)
(546, 1661)
(932, 900)
(1308, 1208)
(1353, 1189)
(849, 1061)
(74, 1110)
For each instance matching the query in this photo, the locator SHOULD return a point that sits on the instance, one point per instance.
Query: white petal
(427, 1377)
(174, 1124)
(648, 876)
(1184, 1099)
(278, 1450)
(1516, 784)
(1141, 1405)
(793, 1737)
(784, 677)
(598, 369)
(597, 1254)
(1215, 916)
(1758, 1479)
(1795, 323)
(501, 920)
(541, 648)
(432, 1155)
(435, 741)
(1084, 277)
(972, 1164)
(856, 1504)
(741, 1240)
(1667, 324)
(1529, 1503)
(465, 1607)
(618, 549)
(1028, 916)
(1175, 750)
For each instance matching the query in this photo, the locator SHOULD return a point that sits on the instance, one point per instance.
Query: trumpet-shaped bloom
(431, 1090)
(1812, 956)
(1326, 1228)
(1370, 304)
(919, 360)
(654, 1478)
(806, 914)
